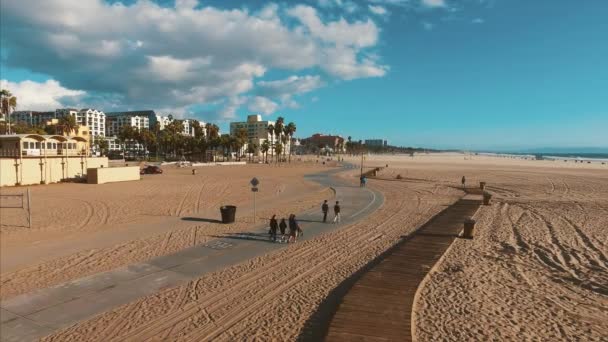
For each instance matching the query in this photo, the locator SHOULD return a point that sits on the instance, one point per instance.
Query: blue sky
(472, 74)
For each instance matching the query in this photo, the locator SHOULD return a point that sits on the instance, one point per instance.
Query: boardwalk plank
(378, 307)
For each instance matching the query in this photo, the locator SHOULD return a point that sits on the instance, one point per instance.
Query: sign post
(254, 188)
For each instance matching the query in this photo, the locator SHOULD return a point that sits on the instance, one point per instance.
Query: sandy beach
(536, 269)
(124, 223)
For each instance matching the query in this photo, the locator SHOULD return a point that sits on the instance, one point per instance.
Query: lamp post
(361, 164)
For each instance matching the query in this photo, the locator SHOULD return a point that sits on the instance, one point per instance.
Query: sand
(152, 220)
(536, 270)
(272, 297)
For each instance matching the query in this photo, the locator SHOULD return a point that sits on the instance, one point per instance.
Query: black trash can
(228, 213)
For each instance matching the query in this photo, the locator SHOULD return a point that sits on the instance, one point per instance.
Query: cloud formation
(41, 96)
(263, 105)
(152, 56)
(378, 10)
(434, 3)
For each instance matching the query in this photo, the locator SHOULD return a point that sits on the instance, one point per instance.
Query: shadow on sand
(263, 237)
(201, 219)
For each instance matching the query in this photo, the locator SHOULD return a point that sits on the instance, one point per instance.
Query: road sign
(254, 189)
(254, 182)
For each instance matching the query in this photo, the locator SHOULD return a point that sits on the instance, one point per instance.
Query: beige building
(42, 159)
(257, 132)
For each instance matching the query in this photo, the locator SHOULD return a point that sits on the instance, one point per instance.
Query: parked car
(151, 169)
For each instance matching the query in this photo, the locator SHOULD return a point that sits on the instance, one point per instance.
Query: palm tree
(251, 148)
(241, 139)
(278, 130)
(265, 147)
(284, 139)
(8, 103)
(290, 129)
(68, 124)
(270, 130)
(279, 148)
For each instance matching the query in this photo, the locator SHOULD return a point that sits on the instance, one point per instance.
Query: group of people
(295, 230)
(325, 210)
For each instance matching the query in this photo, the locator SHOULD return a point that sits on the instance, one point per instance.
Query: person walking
(337, 212)
(363, 181)
(293, 229)
(274, 226)
(282, 227)
(325, 210)
(463, 181)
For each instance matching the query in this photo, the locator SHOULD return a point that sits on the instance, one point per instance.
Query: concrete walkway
(34, 315)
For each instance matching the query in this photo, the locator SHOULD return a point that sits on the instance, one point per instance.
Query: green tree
(264, 148)
(270, 130)
(68, 124)
(284, 140)
(240, 140)
(279, 148)
(146, 138)
(290, 129)
(101, 145)
(8, 103)
(251, 149)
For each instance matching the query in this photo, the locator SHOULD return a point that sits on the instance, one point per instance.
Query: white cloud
(478, 21)
(174, 57)
(379, 10)
(290, 86)
(232, 105)
(434, 3)
(262, 105)
(44, 96)
(359, 34)
(342, 62)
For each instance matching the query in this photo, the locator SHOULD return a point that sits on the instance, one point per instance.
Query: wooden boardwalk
(378, 307)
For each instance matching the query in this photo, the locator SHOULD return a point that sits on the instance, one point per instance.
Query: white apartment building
(257, 132)
(189, 127)
(186, 123)
(131, 146)
(94, 119)
(115, 123)
(162, 120)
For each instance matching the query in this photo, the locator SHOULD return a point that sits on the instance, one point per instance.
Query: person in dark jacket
(463, 181)
(337, 212)
(325, 210)
(274, 226)
(283, 227)
(294, 229)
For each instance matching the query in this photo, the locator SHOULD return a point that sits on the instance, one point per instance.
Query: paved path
(379, 305)
(33, 315)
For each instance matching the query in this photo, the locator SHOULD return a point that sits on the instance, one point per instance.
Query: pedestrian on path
(274, 226)
(337, 212)
(325, 210)
(282, 227)
(294, 228)
(363, 181)
(463, 181)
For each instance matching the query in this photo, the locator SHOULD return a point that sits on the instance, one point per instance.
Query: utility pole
(361, 164)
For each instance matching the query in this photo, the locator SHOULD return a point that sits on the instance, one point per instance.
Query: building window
(25, 145)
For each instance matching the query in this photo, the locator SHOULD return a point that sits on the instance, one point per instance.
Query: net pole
(29, 209)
